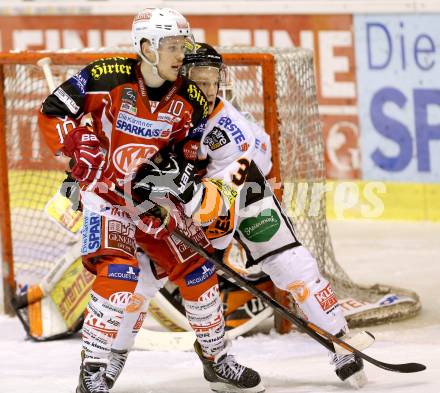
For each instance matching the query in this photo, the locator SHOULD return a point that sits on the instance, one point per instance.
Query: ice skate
(350, 369)
(115, 366)
(92, 376)
(225, 375)
(348, 366)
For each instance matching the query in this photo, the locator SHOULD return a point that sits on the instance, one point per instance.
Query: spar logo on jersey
(91, 233)
(227, 123)
(142, 128)
(127, 158)
(216, 139)
(122, 272)
(326, 298)
(200, 275)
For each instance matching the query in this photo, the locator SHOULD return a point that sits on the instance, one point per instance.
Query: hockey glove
(158, 222)
(84, 147)
(165, 175)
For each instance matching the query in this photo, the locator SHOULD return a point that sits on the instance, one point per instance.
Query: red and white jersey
(130, 123)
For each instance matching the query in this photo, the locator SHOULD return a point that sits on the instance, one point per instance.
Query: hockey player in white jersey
(234, 200)
(253, 214)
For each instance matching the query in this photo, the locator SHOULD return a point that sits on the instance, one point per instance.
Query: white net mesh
(34, 175)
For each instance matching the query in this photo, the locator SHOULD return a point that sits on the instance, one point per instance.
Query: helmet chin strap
(149, 70)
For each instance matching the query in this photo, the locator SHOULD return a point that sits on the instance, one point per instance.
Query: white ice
(402, 254)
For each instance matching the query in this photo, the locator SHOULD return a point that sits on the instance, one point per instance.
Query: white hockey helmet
(154, 24)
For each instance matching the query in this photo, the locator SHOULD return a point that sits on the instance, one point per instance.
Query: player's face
(171, 53)
(207, 78)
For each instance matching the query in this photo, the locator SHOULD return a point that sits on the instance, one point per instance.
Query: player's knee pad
(294, 264)
(101, 323)
(205, 316)
(296, 270)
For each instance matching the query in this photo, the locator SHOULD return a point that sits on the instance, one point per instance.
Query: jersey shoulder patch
(107, 73)
(194, 95)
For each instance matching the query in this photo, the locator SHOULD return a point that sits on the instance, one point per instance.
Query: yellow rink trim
(32, 189)
(383, 200)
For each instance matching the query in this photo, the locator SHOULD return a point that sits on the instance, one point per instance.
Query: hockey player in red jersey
(141, 109)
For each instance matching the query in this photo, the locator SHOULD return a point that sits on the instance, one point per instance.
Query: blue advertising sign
(398, 80)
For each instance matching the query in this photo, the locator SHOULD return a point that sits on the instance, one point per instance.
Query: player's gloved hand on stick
(158, 221)
(165, 174)
(84, 147)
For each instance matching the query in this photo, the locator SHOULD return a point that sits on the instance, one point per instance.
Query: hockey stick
(322, 336)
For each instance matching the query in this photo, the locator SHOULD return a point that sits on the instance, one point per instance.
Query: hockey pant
(296, 270)
(196, 279)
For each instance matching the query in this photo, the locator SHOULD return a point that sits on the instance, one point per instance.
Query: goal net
(276, 86)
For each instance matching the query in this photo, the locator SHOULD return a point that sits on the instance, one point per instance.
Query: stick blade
(402, 368)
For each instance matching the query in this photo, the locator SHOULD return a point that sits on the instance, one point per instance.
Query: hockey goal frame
(284, 86)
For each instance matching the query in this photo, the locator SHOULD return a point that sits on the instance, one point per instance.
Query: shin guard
(295, 270)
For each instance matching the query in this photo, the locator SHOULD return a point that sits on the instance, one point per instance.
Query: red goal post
(276, 86)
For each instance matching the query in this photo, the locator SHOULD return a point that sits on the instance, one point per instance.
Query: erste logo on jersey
(216, 139)
(142, 128)
(127, 158)
(227, 123)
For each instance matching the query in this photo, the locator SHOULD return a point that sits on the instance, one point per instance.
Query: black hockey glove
(165, 174)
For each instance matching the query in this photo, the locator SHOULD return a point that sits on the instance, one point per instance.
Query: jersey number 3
(239, 178)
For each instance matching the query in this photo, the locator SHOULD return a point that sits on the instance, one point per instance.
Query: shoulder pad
(107, 73)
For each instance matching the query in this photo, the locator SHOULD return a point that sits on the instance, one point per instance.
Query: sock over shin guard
(101, 324)
(205, 316)
(295, 270)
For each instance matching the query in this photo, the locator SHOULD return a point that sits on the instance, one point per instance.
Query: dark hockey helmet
(202, 55)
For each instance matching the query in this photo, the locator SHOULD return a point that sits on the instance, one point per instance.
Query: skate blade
(220, 387)
(357, 380)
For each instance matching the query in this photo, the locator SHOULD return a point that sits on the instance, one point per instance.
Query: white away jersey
(229, 143)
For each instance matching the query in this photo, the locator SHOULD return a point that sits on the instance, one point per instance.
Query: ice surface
(404, 254)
